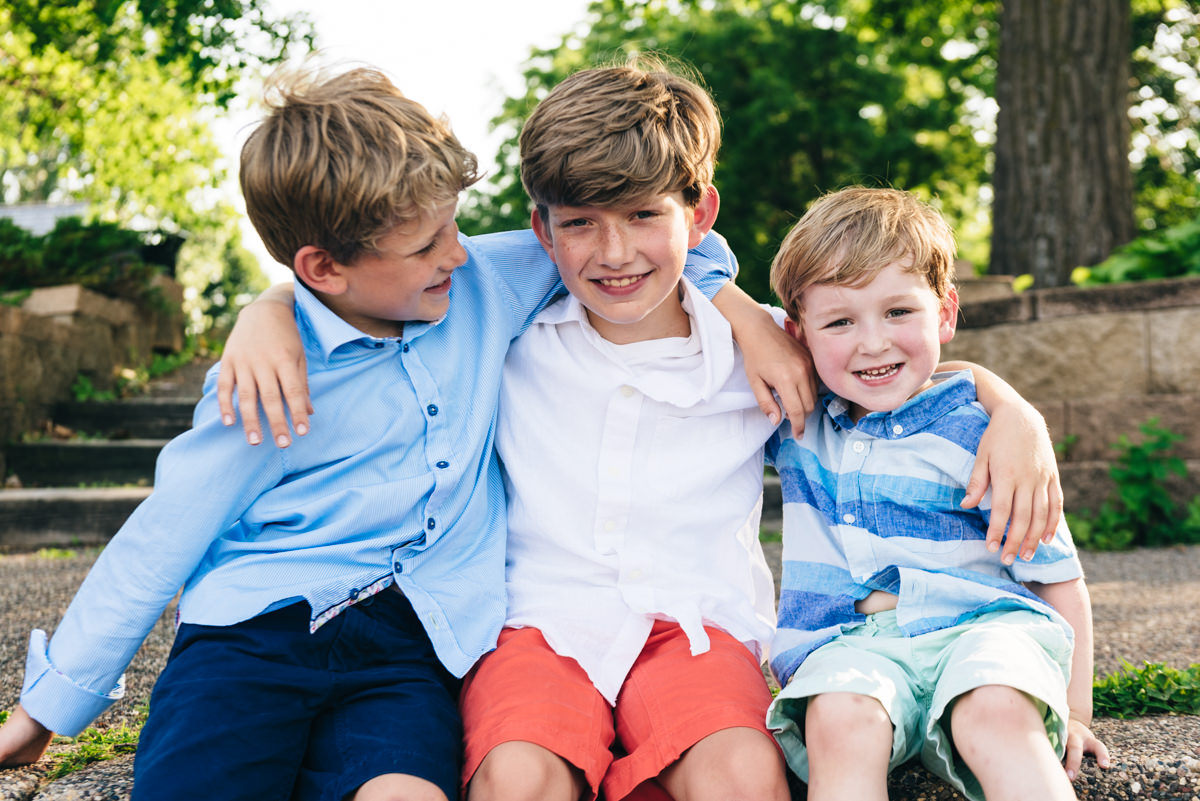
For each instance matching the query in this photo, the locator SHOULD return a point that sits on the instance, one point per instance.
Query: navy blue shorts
(265, 710)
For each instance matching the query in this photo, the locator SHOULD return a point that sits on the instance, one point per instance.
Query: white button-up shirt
(634, 478)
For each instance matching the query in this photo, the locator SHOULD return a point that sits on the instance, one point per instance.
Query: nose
(614, 248)
(873, 338)
(456, 256)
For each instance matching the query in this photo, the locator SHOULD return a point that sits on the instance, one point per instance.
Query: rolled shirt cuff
(53, 699)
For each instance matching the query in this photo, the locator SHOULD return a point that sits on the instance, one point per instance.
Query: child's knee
(993, 710)
(835, 721)
(398, 787)
(738, 762)
(521, 770)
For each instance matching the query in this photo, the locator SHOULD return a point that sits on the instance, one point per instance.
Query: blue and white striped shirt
(397, 482)
(874, 505)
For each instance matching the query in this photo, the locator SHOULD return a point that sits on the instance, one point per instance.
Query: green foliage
(94, 745)
(1142, 511)
(818, 95)
(1165, 111)
(1169, 253)
(102, 257)
(1153, 689)
(811, 100)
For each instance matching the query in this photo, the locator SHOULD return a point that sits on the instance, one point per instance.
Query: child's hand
(1080, 741)
(777, 364)
(22, 739)
(264, 359)
(1016, 458)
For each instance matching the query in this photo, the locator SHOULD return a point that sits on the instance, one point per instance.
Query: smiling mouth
(621, 282)
(442, 287)
(878, 373)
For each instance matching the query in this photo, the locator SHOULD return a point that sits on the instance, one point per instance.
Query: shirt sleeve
(711, 264)
(203, 482)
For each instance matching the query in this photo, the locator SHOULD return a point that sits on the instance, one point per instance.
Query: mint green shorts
(916, 679)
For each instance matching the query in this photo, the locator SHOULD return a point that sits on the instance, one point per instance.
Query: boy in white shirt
(640, 603)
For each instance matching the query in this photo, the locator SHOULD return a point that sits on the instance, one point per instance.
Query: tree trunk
(1063, 184)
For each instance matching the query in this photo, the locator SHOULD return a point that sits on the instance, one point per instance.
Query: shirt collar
(327, 330)
(709, 328)
(949, 391)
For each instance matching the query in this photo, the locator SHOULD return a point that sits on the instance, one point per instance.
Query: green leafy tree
(816, 95)
(112, 102)
(809, 104)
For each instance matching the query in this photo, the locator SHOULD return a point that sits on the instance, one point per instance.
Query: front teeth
(880, 372)
(620, 282)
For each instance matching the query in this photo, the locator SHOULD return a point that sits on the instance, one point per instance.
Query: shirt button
(405, 348)
(847, 518)
(432, 409)
(609, 525)
(635, 573)
(443, 464)
(430, 523)
(858, 447)
(353, 595)
(897, 429)
(376, 344)
(397, 567)
(627, 391)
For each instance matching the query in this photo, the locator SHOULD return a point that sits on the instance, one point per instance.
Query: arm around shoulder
(1016, 459)
(264, 360)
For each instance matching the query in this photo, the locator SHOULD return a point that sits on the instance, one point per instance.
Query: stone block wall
(59, 333)
(1097, 363)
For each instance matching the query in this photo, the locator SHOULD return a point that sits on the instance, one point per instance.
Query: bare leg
(1000, 736)
(521, 771)
(849, 742)
(729, 765)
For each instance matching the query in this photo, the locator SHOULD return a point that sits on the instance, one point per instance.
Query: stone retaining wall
(1097, 363)
(62, 332)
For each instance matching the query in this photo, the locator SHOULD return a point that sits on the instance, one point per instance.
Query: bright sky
(460, 58)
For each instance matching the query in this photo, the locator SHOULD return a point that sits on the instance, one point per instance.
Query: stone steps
(102, 443)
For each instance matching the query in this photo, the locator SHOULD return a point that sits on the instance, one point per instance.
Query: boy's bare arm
(1072, 601)
(22, 739)
(775, 362)
(264, 361)
(1016, 458)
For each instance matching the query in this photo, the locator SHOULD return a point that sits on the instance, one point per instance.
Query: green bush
(1141, 511)
(1170, 253)
(101, 256)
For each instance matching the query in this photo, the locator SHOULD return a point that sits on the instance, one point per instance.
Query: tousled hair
(846, 237)
(338, 162)
(614, 134)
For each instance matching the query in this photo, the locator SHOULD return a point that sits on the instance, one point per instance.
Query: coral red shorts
(524, 691)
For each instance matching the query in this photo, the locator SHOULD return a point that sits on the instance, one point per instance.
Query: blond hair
(614, 134)
(846, 237)
(340, 161)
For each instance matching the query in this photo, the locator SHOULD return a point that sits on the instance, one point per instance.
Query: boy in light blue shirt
(900, 634)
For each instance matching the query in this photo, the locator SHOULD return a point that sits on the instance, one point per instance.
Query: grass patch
(91, 746)
(1152, 689)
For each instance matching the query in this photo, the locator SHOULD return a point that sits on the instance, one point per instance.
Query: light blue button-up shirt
(874, 505)
(397, 482)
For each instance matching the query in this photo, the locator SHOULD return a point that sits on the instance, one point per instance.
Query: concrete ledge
(58, 518)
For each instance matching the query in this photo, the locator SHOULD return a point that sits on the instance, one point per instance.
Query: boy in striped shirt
(900, 633)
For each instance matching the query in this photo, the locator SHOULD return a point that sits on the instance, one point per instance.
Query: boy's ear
(948, 317)
(704, 215)
(794, 331)
(318, 270)
(541, 229)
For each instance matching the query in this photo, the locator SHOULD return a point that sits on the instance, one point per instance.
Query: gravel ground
(1144, 604)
